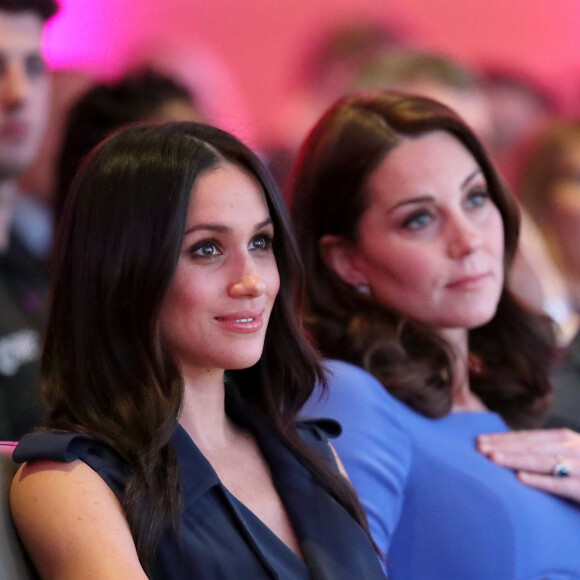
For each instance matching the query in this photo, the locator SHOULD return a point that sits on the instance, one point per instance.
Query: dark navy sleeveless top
(222, 539)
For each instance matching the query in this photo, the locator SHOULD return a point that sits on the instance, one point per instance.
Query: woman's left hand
(548, 459)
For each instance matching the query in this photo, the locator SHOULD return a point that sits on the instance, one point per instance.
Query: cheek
(405, 270)
(182, 301)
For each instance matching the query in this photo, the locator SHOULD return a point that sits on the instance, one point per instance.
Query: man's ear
(339, 257)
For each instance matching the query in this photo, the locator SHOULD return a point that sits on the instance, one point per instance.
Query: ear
(339, 256)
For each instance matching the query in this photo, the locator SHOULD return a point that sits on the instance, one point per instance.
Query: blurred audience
(32, 220)
(549, 188)
(24, 102)
(518, 105)
(433, 76)
(325, 72)
(141, 95)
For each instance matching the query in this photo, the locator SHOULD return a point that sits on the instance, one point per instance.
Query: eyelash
(196, 249)
(412, 222)
(479, 192)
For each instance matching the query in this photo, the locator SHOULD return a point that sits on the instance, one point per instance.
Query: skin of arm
(72, 524)
(533, 455)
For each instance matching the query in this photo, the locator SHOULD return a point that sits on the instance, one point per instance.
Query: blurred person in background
(24, 102)
(518, 105)
(325, 72)
(32, 219)
(141, 95)
(549, 188)
(429, 75)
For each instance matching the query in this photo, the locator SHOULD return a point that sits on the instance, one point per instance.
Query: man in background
(24, 99)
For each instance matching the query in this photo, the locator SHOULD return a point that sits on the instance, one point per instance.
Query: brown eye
(261, 242)
(205, 249)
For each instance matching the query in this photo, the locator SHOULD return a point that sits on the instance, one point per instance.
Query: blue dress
(220, 538)
(438, 508)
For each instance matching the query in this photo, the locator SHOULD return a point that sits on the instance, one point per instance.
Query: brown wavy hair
(513, 350)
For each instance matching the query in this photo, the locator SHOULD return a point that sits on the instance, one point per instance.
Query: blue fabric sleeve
(375, 449)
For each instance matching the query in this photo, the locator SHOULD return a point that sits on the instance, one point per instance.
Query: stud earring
(363, 289)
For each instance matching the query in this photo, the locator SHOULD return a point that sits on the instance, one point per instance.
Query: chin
(242, 362)
(479, 321)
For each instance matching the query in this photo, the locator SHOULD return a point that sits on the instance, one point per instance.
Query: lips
(15, 130)
(472, 282)
(243, 322)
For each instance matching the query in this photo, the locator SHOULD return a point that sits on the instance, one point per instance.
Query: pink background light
(258, 43)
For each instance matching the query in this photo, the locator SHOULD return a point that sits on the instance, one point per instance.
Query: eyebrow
(221, 229)
(429, 198)
(471, 176)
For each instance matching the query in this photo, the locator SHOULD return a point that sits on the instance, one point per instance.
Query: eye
(261, 242)
(477, 198)
(35, 66)
(205, 249)
(417, 220)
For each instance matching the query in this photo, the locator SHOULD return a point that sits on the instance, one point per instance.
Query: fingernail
(484, 446)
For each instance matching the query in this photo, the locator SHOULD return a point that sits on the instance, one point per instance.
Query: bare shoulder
(71, 523)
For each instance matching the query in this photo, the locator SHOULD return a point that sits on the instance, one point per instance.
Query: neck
(203, 413)
(7, 195)
(463, 399)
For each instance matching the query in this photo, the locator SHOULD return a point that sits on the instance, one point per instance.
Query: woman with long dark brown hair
(408, 235)
(174, 368)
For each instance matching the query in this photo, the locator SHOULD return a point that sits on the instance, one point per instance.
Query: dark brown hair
(105, 368)
(513, 350)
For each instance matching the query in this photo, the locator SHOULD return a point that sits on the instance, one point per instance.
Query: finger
(534, 462)
(515, 441)
(565, 487)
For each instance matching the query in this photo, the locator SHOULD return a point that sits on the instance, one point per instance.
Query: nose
(464, 238)
(248, 282)
(14, 86)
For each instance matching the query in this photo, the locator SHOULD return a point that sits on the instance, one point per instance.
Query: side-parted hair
(105, 369)
(512, 352)
(44, 8)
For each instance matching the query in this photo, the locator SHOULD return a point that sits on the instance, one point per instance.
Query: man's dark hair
(44, 8)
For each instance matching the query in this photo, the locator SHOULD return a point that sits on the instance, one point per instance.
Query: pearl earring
(363, 289)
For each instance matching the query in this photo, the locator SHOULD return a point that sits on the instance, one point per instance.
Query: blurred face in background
(24, 91)
(562, 214)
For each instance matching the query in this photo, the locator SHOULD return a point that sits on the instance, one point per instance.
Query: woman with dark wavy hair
(174, 368)
(408, 235)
